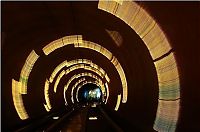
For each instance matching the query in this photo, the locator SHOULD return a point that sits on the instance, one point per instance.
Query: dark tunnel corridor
(100, 66)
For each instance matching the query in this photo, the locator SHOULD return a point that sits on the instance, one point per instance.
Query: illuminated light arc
(57, 69)
(154, 38)
(26, 70)
(61, 42)
(166, 116)
(168, 78)
(72, 65)
(98, 48)
(118, 102)
(46, 95)
(46, 107)
(80, 43)
(78, 67)
(74, 86)
(98, 70)
(19, 88)
(77, 61)
(58, 80)
(80, 83)
(84, 74)
(107, 92)
(17, 100)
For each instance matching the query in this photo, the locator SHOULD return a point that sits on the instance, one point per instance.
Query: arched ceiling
(32, 25)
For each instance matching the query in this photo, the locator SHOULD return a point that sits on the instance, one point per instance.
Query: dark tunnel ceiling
(32, 25)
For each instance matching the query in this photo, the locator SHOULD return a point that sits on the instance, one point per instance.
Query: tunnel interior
(99, 66)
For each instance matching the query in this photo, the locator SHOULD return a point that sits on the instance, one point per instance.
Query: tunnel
(100, 66)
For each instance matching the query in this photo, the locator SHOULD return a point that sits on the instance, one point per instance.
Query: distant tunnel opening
(90, 93)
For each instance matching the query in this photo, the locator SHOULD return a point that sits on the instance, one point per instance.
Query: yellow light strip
(72, 39)
(46, 95)
(29, 63)
(114, 61)
(118, 102)
(53, 46)
(61, 42)
(85, 74)
(141, 22)
(80, 85)
(77, 61)
(123, 11)
(168, 78)
(156, 42)
(78, 66)
(107, 92)
(75, 85)
(58, 80)
(46, 107)
(95, 47)
(57, 69)
(84, 67)
(17, 99)
(154, 38)
(167, 113)
(73, 65)
(65, 89)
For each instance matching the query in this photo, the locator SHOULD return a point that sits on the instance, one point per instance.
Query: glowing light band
(46, 95)
(46, 107)
(154, 38)
(118, 102)
(20, 87)
(58, 80)
(57, 69)
(84, 74)
(166, 118)
(26, 70)
(114, 61)
(108, 55)
(95, 47)
(75, 85)
(74, 62)
(107, 92)
(74, 67)
(141, 22)
(62, 42)
(17, 99)
(156, 42)
(168, 78)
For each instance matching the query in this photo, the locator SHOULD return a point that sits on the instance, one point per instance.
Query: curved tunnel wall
(149, 31)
